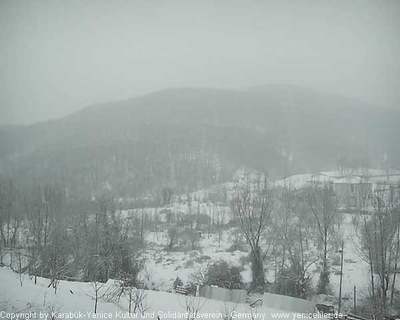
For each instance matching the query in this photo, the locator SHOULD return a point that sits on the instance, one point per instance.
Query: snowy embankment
(76, 300)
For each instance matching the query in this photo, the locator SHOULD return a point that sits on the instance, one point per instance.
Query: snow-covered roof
(351, 180)
(300, 180)
(361, 172)
(332, 174)
(295, 181)
(320, 178)
(393, 179)
(381, 172)
(358, 176)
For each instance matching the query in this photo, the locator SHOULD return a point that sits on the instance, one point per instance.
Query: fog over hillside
(57, 58)
(193, 138)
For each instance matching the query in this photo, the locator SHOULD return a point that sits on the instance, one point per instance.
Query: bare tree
(396, 257)
(251, 207)
(48, 250)
(34, 204)
(220, 224)
(291, 236)
(193, 305)
(98, 293)
(173, 235)
(53, 310)
(21, 265)
(8, 222)
(131, 289)
(323, 204)
(166, 194)
(228, 311)
(137, 299)
(198, 277)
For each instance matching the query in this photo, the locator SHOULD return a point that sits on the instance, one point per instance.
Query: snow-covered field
(163, 266)
(75, 300)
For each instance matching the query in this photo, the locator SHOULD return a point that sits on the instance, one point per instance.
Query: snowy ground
(75, 300)
(355, 270)
(163, 266)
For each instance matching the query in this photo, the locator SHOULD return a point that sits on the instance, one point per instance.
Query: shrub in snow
(223, 275)
(292, 281)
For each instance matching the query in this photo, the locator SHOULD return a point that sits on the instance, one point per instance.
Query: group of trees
(186, 229)
(288, 229)
(292, 251)
(66, 238)
(378, 243)
(9, 221)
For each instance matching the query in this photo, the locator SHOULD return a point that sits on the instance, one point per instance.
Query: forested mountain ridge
(191, 138)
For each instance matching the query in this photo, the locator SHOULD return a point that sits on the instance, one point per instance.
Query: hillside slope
(191, 138)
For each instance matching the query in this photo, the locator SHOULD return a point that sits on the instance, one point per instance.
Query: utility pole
(276, 270)
(341, 276)
(355, 299)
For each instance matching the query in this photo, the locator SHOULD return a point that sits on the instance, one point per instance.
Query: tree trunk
(258, 277)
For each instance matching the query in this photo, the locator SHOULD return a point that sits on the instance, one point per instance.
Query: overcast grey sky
(59, 56)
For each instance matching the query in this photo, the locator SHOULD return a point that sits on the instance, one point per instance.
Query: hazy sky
(59, 56)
